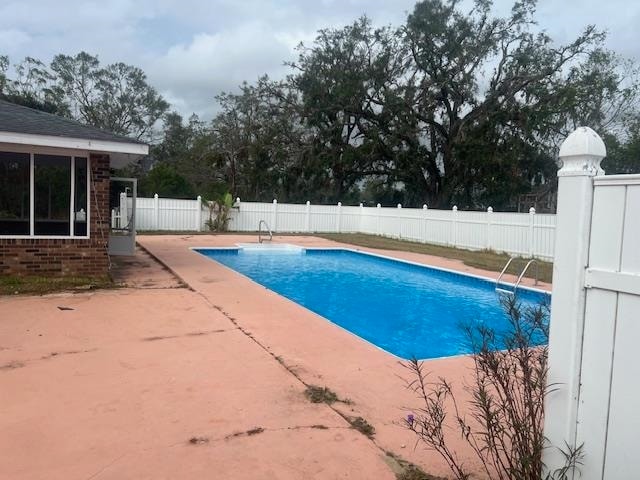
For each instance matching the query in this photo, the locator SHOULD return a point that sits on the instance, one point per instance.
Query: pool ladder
(268, 230)
(533, 261)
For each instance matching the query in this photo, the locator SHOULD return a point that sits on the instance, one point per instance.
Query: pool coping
(363, 252)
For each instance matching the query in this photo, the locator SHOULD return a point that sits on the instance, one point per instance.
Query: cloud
(215, 62)
(192, 50)
(14, 40)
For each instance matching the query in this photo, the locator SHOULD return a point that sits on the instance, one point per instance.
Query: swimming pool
(409, 310)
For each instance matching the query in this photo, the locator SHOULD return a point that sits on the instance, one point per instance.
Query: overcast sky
(192, 50)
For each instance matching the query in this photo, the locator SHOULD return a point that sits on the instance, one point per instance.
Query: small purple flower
(410, 419)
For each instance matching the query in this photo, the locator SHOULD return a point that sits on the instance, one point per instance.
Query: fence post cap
(581, 153)
(399, 205)
(455, 208)
(339, 204)
(378, 206)
(308, 203)
(237, 199)
(198, 198)
(425, 207)
(490, 210)
(532, 211)
(361, 205)
(155, 195)
(275, 201)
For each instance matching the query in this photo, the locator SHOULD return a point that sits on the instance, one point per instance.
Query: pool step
(503, 290)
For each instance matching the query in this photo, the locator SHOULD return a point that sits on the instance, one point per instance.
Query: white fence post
(400, 222)
(489, 223)
(425, 210)
(274, 216)
(532, 213)
(454, 225)
(378, 206)
(198, 216)
(339, 217)
(581, 154)
(361, 218)
(156, 212)
(307, 216)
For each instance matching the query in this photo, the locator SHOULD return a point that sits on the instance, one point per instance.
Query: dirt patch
(248, 433)
(361, 425)
(316, 394)
(11, 366)
(190, 334)
(67, 352)
(142, 271)
(405, 470)
(198, 440)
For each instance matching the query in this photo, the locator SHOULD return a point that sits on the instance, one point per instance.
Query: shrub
(503, 420)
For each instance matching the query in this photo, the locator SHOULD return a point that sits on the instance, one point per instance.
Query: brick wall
(67, 257)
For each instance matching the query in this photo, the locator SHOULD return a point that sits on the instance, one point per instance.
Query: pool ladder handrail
(520, 277)
(266, 225)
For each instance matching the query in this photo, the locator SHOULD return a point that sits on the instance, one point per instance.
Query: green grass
(483, 259)
(12, 285)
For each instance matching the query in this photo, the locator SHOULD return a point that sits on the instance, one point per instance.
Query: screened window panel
(52, 194)
(14, 193)
(80, 207)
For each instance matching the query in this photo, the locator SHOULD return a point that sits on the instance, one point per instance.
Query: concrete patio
(161, 381)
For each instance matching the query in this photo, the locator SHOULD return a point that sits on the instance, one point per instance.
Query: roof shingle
(18, 119)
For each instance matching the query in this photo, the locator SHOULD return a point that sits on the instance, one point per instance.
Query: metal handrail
(524, 270)
(503, 271)
(263, 222)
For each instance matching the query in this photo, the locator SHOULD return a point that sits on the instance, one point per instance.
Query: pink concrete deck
(116, 386)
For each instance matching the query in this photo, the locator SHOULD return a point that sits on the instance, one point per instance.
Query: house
(54, 192)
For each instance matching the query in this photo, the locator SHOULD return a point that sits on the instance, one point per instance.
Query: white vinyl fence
(522, 234)
(595, 319)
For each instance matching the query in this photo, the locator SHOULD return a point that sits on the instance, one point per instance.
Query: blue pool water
(409, 310)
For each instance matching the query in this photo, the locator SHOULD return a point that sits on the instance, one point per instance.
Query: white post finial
(490, 209)
(581, 154)
(425, 207)
(308, 202)
(455, 208)
(378, 206)
(275, 201)
(532, 210)
(399, 205)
